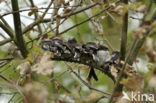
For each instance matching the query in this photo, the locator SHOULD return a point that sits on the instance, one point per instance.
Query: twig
(131, 55)
(8, 93)
(6, 24)
(36, 17)
(85, 83)
(78, 30)
(138, 40)
(99, 99)
(29, 27)
(86, 19)
(7, 30)
(45, 32)
(5, 41)
(8, 59)
(101, 33)
(3, 77)
(23, 10)
(12, 98)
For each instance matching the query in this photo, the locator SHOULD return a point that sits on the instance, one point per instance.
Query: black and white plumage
(48, 45)
(88, 53)
(102, 55)
(90, 49)
(92, 74)
(75, 47)
(115, 57)
(59, 45)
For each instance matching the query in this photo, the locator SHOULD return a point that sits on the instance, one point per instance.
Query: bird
(90, 49)
(102, 55)
(75, 48)
(115, 56)
(92, 74)
(46, 44)
(58, 43)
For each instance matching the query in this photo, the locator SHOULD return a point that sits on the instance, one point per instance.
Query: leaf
(114, 72)
(119, 10)
(24, 68)
(66, 11)
(138, 33)
(84, 67)
(28, 35)
(30, 13)
(152, 81)
(33, 10)
(141, 9)
(44, 66)
(134, 82)
(35, 93)
(149, 49)
(29, 58)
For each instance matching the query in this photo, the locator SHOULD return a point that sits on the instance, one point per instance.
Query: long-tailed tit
(102, 55)
(75, 47)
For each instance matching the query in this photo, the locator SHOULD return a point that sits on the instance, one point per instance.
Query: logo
(140, 97)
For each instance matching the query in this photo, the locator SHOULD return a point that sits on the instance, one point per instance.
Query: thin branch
(100, 33)
(6, 79)
(6, 24)
(45, 32)
(124, 35)
(36, 17)
(18, 29)
(12, 97)
(97, 101)
(7, 30)
(5, 41)
(85, 83)
(137, 44)
(30, 26)
(97, 14)
(78, 30)
(138, 40)
(37, 9)
(117, 84)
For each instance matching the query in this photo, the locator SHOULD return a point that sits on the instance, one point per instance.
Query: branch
(29, 27)
(74, 25)
(97, 14)
(5, 23)
(18, 30)
(36, 17)
(140, 41)
(39, 20)
(85, 83)
(7, 30)
(37, 9)
(5, 41)
(137, 44)
(123, 41)
(124, 35)
(65, 51)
